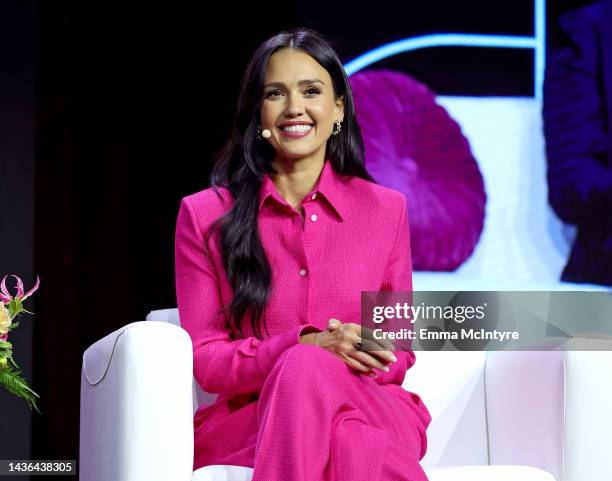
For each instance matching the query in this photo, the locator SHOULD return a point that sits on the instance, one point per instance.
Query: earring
(258, 132)
(337, 127)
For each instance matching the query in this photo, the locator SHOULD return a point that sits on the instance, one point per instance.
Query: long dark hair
(243, 161)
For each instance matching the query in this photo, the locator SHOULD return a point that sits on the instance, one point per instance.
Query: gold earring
(337, 127)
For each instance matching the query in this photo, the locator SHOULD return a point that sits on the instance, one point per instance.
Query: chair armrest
(170, 315)
(551, 409)
(136, 420)
(588, 415)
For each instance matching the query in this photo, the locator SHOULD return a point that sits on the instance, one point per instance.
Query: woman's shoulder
(375, 195)
(209, 204)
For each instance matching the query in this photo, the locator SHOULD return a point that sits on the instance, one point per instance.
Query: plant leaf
(14, 307)
(15, 384)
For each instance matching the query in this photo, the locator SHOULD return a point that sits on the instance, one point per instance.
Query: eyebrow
(301, 82)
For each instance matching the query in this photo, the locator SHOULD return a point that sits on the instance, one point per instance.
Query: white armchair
(497, 416)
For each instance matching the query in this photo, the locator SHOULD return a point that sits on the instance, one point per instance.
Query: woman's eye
(309, 91)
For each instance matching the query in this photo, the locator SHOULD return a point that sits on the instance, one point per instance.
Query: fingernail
(393, 358)
(385, 368)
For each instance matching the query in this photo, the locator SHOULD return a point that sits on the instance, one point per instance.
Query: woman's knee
(310, 360)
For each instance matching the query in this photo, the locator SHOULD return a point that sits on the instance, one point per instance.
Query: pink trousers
(317, 419)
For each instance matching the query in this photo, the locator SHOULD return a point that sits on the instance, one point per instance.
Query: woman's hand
(343, 339)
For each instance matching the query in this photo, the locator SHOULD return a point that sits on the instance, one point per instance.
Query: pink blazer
(354, 237)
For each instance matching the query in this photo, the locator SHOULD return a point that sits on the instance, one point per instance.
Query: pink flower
(5, 297)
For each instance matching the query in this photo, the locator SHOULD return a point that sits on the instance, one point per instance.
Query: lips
(290, 123)
(295, 130)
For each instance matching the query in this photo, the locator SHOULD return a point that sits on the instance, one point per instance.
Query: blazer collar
(329, 185)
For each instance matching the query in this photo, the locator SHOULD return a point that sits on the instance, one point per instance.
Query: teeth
(297, 128)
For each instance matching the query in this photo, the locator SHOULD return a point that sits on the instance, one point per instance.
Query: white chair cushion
(457, 434)
(218, 472)
(462, 473)
(489, 473)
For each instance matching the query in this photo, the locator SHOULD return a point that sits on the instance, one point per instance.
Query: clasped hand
(344, 339)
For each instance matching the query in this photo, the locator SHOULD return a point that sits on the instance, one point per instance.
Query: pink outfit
(295, 411)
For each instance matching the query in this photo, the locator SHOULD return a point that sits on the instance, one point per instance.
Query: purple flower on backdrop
(414, 146)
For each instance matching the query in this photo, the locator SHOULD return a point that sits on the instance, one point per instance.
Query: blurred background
(111, 112)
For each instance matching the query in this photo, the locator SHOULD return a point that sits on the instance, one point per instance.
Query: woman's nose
(294, 105)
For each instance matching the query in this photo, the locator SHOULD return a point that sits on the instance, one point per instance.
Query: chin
(297, 153)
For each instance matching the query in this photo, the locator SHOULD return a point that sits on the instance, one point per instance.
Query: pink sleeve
(221, 365)
(399, 278)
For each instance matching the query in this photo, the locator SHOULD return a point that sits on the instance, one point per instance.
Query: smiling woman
(282, 243)
(299, 108)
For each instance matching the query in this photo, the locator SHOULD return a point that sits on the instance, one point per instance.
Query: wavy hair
(240, 166)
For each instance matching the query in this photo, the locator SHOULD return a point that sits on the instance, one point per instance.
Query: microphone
(266, 134)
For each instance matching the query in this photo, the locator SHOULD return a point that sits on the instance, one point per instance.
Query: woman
(284, 242)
